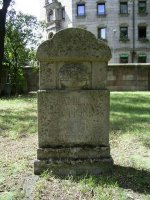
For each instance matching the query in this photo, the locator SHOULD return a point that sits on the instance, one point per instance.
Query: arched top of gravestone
(73, 44)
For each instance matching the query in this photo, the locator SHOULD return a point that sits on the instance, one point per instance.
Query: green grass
(130, 144)
(18, 116)
(130, 113)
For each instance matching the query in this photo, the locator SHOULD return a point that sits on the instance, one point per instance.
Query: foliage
(22, 37)
(4, 4)
(130, 113)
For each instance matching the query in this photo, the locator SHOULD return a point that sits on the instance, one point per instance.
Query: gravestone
(73, 105)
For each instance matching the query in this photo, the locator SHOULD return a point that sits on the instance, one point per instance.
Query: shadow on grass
(130, 112)
(19, 122)
(28, 114)
(124, 177)
(131, 178)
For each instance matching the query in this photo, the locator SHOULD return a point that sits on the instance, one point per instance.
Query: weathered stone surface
(99, 75)
(66, 75)
(83, 152)
(73, 44)
(73, 75)
(75, 168)
(73, 117)
(73, 105)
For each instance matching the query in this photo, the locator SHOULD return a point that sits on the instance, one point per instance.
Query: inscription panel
(73, 118)
(74, 76)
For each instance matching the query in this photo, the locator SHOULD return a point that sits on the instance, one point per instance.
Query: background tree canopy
(22, 36)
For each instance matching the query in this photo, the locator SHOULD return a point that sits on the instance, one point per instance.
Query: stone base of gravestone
(73, 132)
(75, 167)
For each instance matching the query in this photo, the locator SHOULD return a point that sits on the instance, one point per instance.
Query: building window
(80, 9)
(123, 8)
(63, 13)
(101, 10)
(142, 32)
(50, 16)
(50, 35)
(142, 58)
(102, 33)
(124, 58)
(123, 33)
(142, 7)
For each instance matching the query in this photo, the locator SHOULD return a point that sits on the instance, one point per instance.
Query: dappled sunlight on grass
(130, 112)
(18, 116)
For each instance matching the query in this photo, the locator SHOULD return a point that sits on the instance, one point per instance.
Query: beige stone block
(68, 118)
(99, 75)
(111, 76)
(128, 77)
(47, 75)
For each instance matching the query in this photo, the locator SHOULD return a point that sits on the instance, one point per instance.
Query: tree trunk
(2, 34)
(3, 13)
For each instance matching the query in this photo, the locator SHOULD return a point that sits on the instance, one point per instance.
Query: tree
(22, 36)
(3, 12)
(4, 4)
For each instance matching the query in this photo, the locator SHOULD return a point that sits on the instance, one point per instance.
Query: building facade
(123, 24)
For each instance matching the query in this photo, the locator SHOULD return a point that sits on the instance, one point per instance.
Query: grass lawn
(130, 149)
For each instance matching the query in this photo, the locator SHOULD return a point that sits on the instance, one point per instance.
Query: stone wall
(31, 75)
(128, 77)
(121, 77)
